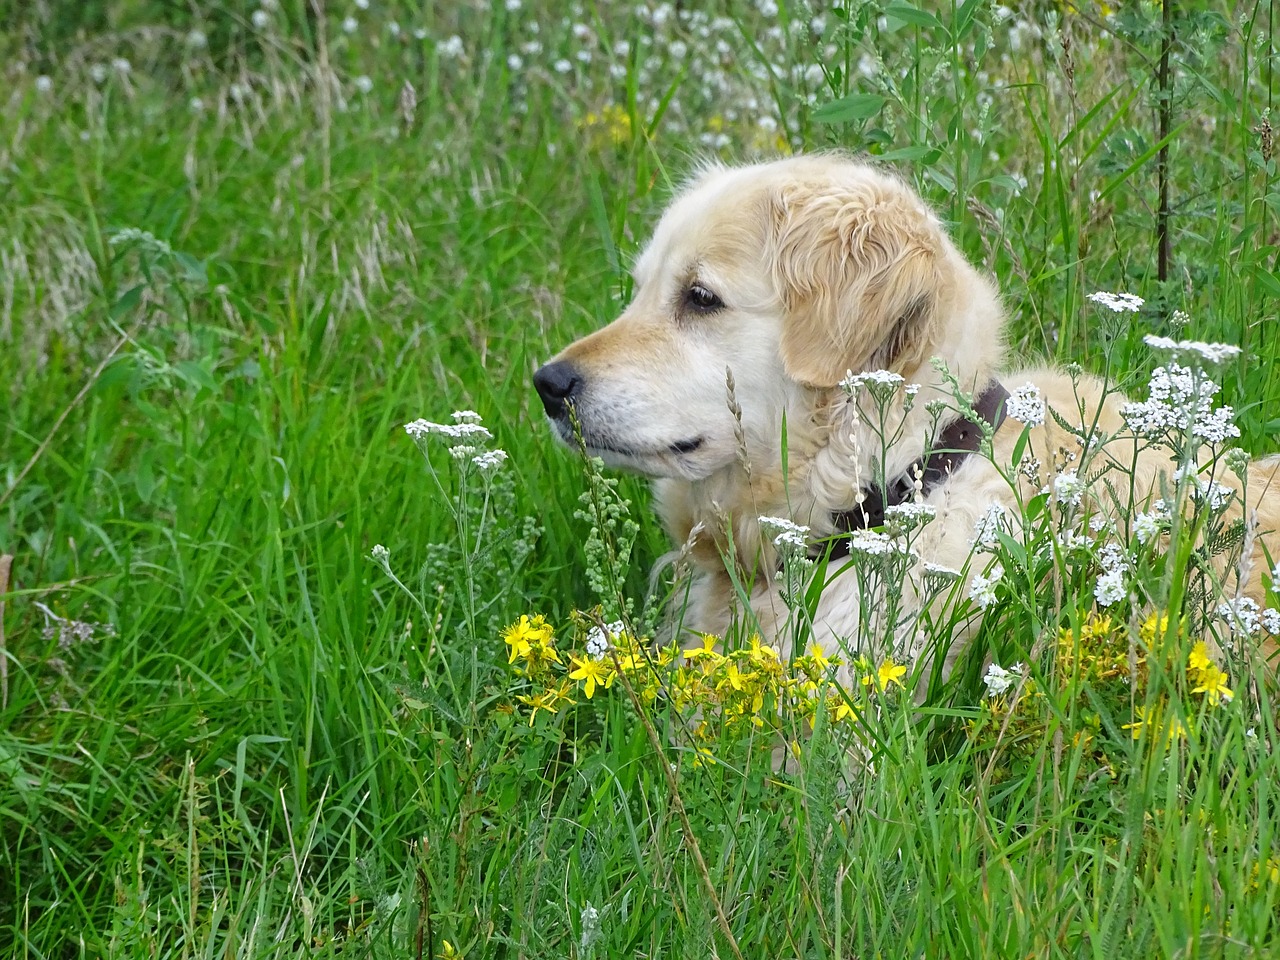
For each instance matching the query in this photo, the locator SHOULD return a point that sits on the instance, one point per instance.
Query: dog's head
(787, 275)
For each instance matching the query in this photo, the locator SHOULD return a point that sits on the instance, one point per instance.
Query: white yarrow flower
(44, 84)
(1109, 589)
(1117, 302)
(1068, 488)
(987, 527)
(380, 553)
(489, 460)
(1241, 614)
(261, 19)
(1208, 352)
(1271, 621)
(982, 590)
(363, 83)
(1146, 527)
(1026, 404)
(999, 680)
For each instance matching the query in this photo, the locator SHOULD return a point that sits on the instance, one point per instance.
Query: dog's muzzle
(558, 384)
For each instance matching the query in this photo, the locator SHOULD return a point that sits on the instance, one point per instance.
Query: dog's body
(783, 278)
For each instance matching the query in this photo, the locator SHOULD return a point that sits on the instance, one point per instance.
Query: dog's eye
(702, 300)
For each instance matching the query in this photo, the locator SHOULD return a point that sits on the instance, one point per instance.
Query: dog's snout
(557, 384)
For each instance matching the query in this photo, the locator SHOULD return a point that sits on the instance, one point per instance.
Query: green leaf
(856, 106)
(127, 301)
(912, 16)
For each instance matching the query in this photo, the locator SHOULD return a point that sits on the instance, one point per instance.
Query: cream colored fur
(824, 265)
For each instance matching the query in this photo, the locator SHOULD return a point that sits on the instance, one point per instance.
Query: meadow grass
(244, 244)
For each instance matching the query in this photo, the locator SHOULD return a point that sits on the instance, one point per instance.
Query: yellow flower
(591, 673)
(706, 651)
(818, 658)
(1213, 684)
(759, 652)
(1154, 627)
(1198, 659)
(841, 708)
(550, 700)
(448, 951)
(1173, 729)
(517, 637)
(890, 672)
(733, 678)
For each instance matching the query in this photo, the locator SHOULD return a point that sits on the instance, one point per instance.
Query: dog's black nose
(557, 383)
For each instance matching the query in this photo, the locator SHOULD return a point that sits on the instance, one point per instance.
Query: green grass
(276, 752)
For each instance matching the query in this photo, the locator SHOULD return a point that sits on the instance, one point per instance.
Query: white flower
(562, 66)
(463, 451)
(998, 679)
(489, 460)
(1271, 621)
(1114, 557)
(1241, 614)
(1180, 400)
(44, 83)
(1110, 588)
(350, 25)
(464, 430)
(362, 4)
(197, 40)
(512, 6)
(260, 19)
(904, 517)
(599, 641)
(1026, 405)
(1211, 492)
(678, 49)
(121, 65)
(1068, 488)
(1118, 302)
(1146, 527)
(788, 537)
(1070, 540)
(941, 573)
(988, 526)
(363, 83)
(869, 543)
(1208, 352)
(196, 105)
(514, 62)
(982, 590)
(380, 553)
(98, 72)
(881, 383)
(393, 28)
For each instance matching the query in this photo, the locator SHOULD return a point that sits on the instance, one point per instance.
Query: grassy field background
(243, 244)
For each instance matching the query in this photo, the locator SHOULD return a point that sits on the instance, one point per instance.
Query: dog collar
(957, 440)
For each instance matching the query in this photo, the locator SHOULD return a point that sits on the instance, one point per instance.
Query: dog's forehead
(705, 223)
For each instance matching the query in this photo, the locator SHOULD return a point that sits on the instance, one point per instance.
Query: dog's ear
(859, 267)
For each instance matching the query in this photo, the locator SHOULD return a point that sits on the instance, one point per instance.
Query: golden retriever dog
(762, 289)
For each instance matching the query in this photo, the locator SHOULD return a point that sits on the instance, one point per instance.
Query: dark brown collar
(957, 440)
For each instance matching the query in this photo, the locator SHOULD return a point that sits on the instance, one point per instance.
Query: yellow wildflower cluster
(611, 127)
(751, 687)
(1098, 657)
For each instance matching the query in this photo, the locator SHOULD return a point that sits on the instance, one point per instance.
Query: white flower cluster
(1026, 405)
(988, 526)
(1110, 588)
(904, 517)
(600, 640)
(982, 590)
(1208, 352)
(1117, 302)
(999, 680)
(1242, 616)
(1147, 526)
(881, 383)
(380, 553)
(1068, 488)
(869, 543)
(462, 436)
(1213, 494)
(788, 536)
(943, 574)
(1180, 400)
